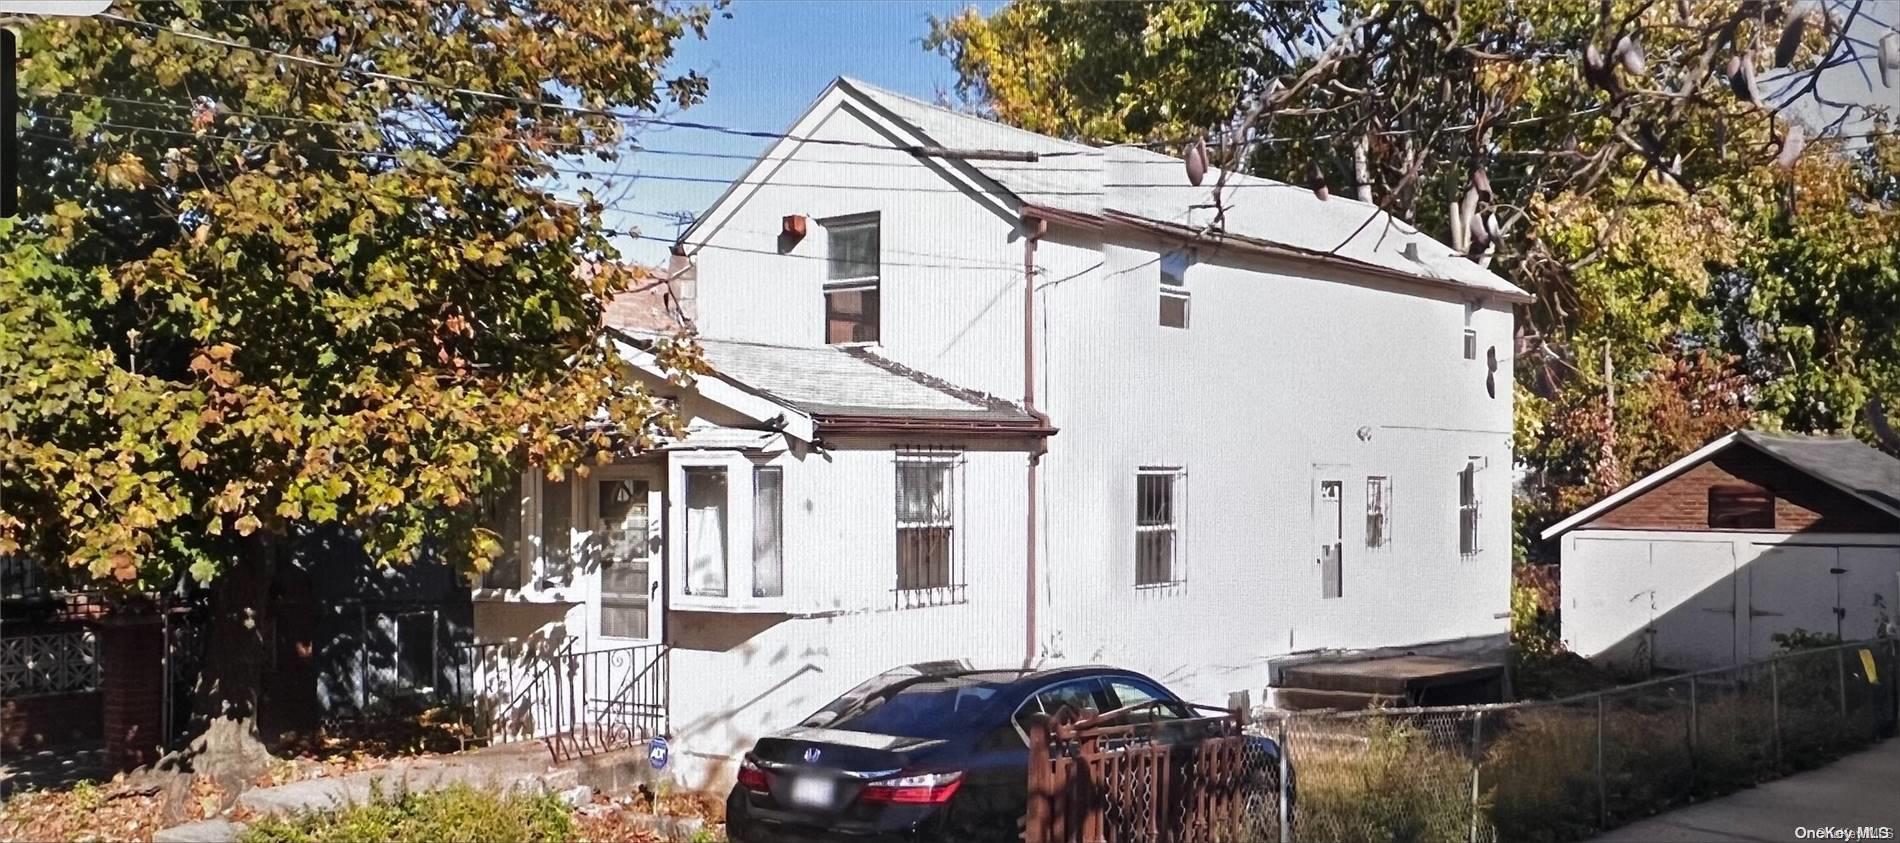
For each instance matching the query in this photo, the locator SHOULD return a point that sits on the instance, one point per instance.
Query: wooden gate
(1121, 777)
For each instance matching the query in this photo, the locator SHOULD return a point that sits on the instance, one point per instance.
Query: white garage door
(1789, 588)
(1695, 608)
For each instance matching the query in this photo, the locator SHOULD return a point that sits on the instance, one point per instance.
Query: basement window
(1741, 508)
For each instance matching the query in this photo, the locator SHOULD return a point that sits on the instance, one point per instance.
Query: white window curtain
(706, 531)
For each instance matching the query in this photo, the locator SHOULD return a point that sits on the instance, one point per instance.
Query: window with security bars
(1378, 511)
(1468, 508)
(852, 271)
(926, 524)
(1157, 526)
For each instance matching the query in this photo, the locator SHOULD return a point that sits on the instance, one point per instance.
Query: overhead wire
(493, 96)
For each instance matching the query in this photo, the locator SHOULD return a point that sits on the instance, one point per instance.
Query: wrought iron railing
(578, 703)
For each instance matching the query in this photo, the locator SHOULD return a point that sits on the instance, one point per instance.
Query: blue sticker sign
(657, 753)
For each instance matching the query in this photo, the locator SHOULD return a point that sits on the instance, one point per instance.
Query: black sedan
(928, 753)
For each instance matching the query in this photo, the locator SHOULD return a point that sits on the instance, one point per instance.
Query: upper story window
(1174, 291)
(1741, 508)
(852, 267)
(1471, 332)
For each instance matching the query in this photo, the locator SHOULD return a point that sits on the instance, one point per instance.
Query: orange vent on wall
(794, 226)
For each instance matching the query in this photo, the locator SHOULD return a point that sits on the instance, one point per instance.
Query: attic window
(852, 271)
(1174, 292)
(1741, 508)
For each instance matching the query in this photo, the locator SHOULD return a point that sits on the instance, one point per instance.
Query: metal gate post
(1286, 810)
(1477, 763)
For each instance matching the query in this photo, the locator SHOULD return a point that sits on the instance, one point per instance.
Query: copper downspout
(1033, 230)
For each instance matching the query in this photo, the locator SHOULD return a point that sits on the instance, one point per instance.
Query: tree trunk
(229, 689)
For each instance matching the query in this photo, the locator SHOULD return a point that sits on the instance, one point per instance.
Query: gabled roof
(1148, 185)
(1849, 465)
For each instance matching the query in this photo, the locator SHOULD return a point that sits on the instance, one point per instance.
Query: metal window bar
(1378, 511)
(1157, 526)
(928, 542)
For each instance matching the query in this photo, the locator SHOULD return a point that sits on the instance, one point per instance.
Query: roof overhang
(855, 425)
(725, 392)
(1239, 244)
(1696, 457)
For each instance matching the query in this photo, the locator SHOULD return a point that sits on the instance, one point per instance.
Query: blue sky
(765, 64)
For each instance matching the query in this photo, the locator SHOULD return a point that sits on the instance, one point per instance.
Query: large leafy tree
(1695, 253)
(296, 263)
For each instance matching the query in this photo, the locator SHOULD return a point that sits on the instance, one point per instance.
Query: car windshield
(912, 706)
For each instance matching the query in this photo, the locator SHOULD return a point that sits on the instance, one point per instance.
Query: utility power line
(620, 116)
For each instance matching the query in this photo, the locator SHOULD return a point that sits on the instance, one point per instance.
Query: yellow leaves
(248, 525)
(127, 173)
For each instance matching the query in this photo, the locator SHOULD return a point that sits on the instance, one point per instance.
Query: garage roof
(1845, 463)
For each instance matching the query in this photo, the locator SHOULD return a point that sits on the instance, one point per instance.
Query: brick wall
(37, 722)
(1802, 503)
(654, 304)
(132, 689)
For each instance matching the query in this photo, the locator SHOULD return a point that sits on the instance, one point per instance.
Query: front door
(1329, 526)
(626, 545)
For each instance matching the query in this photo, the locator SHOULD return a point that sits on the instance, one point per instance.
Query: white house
(1702, 563)
(1036, 405)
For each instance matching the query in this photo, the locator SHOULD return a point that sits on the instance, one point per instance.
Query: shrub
(1389, 783)
(458, 813)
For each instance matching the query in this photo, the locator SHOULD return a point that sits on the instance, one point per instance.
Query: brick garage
(1802, 503)
(1703, 563)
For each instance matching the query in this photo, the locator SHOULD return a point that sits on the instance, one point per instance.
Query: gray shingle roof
(1150, 185)
(830, 381)
(1843, 461)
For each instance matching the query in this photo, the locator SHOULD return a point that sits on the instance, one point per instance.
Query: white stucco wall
(1709, 599)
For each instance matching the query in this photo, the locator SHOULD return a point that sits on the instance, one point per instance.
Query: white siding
(1286, 372)
(739, 676)
(952, 265)
(1268, 389)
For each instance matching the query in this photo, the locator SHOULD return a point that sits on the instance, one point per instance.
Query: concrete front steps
(512, 768)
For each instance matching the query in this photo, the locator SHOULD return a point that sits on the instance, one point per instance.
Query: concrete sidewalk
(1862, 789)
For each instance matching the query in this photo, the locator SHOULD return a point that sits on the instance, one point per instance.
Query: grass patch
(457, 813)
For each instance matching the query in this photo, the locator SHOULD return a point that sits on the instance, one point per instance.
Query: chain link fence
(1567, 769)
